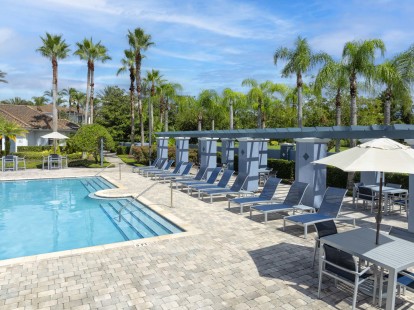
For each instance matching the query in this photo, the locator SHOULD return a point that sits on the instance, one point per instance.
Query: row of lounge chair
(204, 183)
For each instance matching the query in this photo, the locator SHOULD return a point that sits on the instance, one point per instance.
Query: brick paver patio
(225, 261)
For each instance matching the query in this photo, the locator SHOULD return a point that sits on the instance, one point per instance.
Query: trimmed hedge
(40, 155)
(285, 168)
(122, 150)
(336, 177)
(37, 148)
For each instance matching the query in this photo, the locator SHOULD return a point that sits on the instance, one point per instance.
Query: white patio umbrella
(383, 155)
(55, 136)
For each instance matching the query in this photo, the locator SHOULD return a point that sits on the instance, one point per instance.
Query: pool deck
(223, 261)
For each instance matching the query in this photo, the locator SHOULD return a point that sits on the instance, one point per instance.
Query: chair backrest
(155, 162)
(295, 194)
(200, 173)
(9, 157)
(214, 175)
(239, 182)
(393, 185)
(402, 233)
(326, 228)
(177, 168)
(187, 168)
(365, 193)
(168, 164)
(342, 259)
(332, 201)
(225, 178)
(161, 163)
(269, 188)
(54, 156)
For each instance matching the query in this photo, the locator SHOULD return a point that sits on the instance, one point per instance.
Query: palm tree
(10, 131)
(299, 61)
(153, 78)
(40, 100)
(2, 77)
(168, 93)
(139, 41)
(396, 74)
(54, 48)
(333, 75)
(230, 97)
(259, 94)
(358, 58)
(60, 95)
(128, 63)
(91, 52)
(207, 104)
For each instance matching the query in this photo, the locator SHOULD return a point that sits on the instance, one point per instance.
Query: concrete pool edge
(188, 230)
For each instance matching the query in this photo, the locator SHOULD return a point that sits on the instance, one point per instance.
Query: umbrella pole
(378, 218)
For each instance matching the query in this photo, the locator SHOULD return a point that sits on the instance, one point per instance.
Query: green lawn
(128, 159)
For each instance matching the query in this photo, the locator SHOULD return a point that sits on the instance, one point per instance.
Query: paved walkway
(225, 261)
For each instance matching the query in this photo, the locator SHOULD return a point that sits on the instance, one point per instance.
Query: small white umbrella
(55, 136)
(384, 155)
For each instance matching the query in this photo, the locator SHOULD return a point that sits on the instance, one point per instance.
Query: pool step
(139, 222)
(95, 184)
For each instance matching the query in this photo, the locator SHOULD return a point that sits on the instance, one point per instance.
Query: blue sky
(200, 44)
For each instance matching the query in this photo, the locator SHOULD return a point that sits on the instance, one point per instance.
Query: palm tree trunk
(55, 91)
(338, 111)
(387, 107)
(231, 115)
(132, 106)
(200, 119)
(166, 115)
(92, 90)
(353, 93)
(88, 83)
(299, 84)
(139, 90)
(259, 114)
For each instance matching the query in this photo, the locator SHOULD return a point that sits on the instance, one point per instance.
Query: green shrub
(122, 150)
(285, 168)
(336, 177)
(34, 148)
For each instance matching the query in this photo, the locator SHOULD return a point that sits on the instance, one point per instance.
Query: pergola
(310, 146)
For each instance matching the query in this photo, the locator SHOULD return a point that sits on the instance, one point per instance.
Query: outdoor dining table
(387, 192)
(392, 253)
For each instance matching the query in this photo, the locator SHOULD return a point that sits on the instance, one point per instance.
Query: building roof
(48, 109)
(30, 118)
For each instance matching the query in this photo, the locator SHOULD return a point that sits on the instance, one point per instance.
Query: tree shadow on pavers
(292, 264)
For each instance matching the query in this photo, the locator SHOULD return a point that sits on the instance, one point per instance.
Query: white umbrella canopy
(384, 155)
(54, 135)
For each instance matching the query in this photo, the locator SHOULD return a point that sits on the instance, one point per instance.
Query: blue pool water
(43, 216)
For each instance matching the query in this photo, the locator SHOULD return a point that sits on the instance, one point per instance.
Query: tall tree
(259, 95)
(207, 105)
(300, 59)
(333, 76)
(396, 75)
(2, 77)
(230, 98)
(128, 63)
(60, 96)
(358, 58)
(153, 78)
(40, 100)
(168, 94)
(139, 42)
(54, 48)
(91, 52)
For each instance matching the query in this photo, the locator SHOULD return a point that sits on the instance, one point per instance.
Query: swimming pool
(43, 216)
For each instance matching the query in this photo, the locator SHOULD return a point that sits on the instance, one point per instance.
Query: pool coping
(188, 230)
